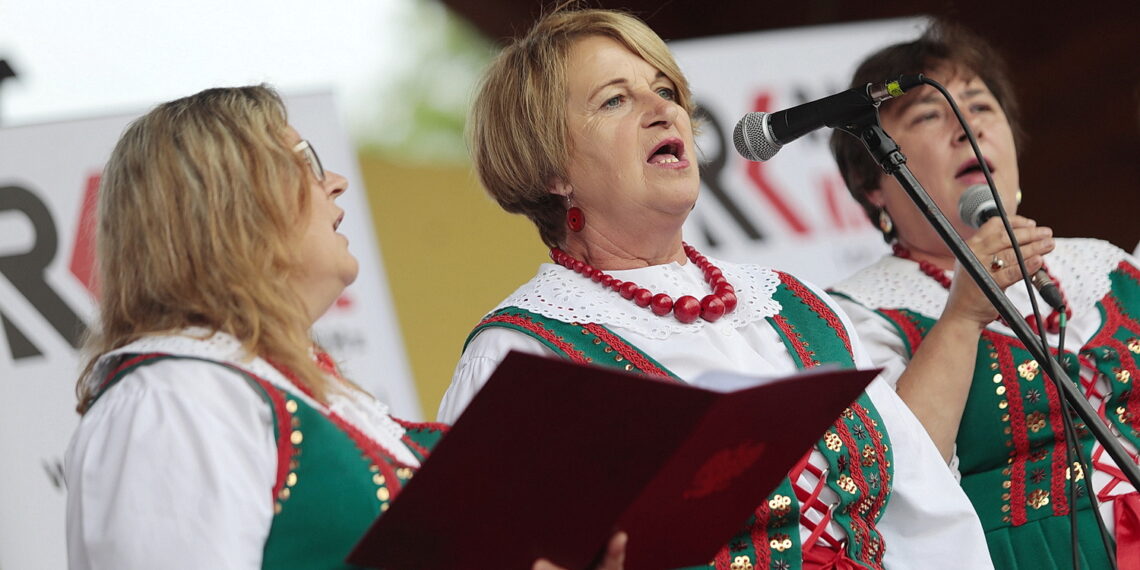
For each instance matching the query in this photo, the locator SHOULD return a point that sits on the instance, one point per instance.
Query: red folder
(551, 458)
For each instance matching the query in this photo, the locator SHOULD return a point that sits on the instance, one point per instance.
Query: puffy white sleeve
(172, 468)
(481, 357)
(880, 339)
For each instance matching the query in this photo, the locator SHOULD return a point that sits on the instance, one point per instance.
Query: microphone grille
(976, 205)
(751, 140)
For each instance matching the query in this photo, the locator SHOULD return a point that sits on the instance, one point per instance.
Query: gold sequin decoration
(742, 562)
(378, 479)
(849, 413)
(403, 473)
(383, 494)
(847, 483)
(628, 367)
(1078, 468)
(1134, 345)
(869, 455)
(780, 542)
(1123, 375)
(1038, 499)
(384, 507)
(608, 349)
(291, 406)
(1006, 484)
(779, 502)
(1035, 421)
(998, 378)
(1028, 369)
(619, 358)
(1003, 404)
(832, 441)
(291, 479)
(1000, 390)
(283, 494)
(296, 437)
(276, 508)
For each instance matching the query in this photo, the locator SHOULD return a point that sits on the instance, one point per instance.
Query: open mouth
(973, 166)
(667, 151)
(336, 224)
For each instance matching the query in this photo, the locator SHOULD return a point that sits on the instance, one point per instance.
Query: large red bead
(729, 300)
(713, 274)
(642, 296)
(723, 288)
(628, 289)
(661, 304)
(712, 308)
(608, 281)
(575, 219)
(687, 309)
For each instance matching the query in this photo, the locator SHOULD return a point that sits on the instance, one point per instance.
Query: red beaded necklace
(1052, 322)
(686, 309)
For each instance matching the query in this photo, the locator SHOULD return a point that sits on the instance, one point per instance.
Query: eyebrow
(620, 81)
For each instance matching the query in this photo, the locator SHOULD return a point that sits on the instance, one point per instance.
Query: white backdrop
(792, 212)
(45, 172)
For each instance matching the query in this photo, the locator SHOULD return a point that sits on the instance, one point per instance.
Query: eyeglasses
(311, 157)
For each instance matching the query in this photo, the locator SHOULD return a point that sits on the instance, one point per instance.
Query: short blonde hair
(518, 135)
(197, 212)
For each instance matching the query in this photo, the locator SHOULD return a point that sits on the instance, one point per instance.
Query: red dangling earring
(575, 219)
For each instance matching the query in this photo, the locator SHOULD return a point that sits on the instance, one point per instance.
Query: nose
(335, 183)
(660, 112)
(975, 122)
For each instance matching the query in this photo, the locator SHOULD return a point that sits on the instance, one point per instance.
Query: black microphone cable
(1074, 459)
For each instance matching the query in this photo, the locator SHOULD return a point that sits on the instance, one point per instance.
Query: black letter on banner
(711, 170)
(28, 274)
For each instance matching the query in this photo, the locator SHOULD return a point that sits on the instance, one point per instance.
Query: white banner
(792, 212)
(48, 178)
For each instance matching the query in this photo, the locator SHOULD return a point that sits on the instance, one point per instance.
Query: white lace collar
(361, 410)
(559, 293)
(1081, 266)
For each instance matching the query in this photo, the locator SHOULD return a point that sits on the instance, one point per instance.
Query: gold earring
(886, 225)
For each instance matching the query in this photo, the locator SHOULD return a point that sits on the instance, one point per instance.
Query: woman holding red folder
(215, 432)
(988, 400)
(584, 126)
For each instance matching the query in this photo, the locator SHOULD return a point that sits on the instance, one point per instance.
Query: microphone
(975, 207)
(759, 136)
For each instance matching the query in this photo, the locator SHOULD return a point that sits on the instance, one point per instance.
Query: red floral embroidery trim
(408, 441)
(807, 357)
(625, 350)
(817, 305)
(914, 335)
(573, 353)
(1018, 431)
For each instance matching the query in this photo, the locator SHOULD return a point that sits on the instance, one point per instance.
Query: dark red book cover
(551, 458)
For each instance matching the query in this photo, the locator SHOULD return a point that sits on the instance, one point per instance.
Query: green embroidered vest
(856, 448)
(332, 481)
(1011, 443)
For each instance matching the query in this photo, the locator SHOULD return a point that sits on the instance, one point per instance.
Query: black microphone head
(751, 137)
(977, 205)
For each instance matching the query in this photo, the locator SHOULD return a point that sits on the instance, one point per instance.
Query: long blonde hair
(197, 215)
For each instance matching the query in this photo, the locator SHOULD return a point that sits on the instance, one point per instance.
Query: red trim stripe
(546, 334)
(806, 357)
(914, 335)
(285, 448)
(625, 350)
(818, 305)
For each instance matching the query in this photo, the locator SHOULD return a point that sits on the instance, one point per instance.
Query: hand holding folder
(551, 458)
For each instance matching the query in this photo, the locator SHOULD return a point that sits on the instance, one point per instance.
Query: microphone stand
(886, 152)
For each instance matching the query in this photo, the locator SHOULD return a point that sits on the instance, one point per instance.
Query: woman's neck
(614, 255)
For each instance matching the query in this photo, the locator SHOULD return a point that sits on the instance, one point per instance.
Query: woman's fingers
(613, 559)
